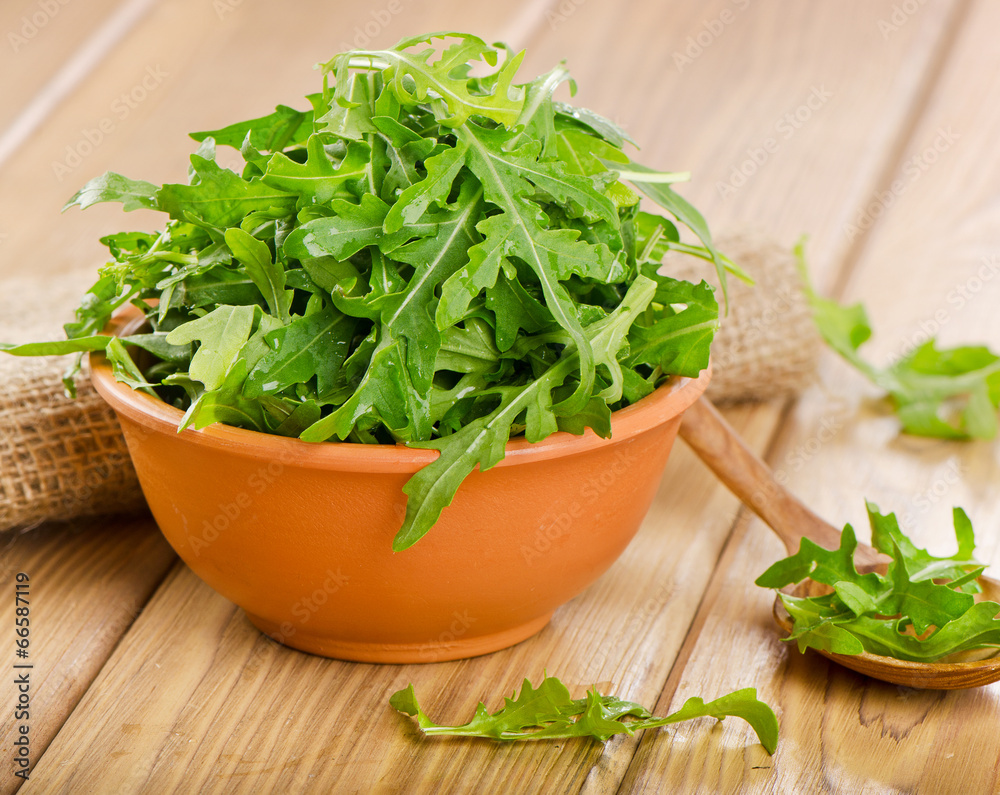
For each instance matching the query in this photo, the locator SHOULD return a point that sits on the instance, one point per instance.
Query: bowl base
(428, 652)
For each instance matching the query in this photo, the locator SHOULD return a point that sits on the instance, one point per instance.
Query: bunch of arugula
(549, 713)
(922, 609)
(423, 257)
(949, 393)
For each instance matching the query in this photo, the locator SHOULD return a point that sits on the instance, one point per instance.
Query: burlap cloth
(59, 458)
(62, 458)
(768, 344)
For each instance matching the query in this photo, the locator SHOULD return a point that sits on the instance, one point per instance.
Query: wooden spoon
(750, 479)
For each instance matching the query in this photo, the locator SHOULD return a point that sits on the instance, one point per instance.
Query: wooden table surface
(873, 126)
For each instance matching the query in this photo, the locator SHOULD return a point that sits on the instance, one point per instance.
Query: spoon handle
(725, 453)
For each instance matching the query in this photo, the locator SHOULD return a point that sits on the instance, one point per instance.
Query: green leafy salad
(922, 609)
(947, 393)
(430, 254)
(549, 713)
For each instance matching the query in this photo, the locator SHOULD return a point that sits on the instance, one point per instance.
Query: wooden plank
(38, 36)
(930, 259)
(783, 111)
(322, 718)
(87, 583)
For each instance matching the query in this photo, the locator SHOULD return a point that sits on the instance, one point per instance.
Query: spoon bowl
(724, 452)
(959, 671)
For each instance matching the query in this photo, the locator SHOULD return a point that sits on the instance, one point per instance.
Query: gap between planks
(73, 72)
(710, 596)
(907, 130)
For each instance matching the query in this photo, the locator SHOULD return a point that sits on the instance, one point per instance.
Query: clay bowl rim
(667, 402)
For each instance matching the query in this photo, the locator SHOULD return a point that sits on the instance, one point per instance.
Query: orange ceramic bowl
(300, 534)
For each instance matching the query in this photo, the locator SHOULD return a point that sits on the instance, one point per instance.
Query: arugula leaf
(318, 180)
(549, 713)
(887, 538)
(220, 198)
(347, 231)
(272, 133)
(679, 341)
(414, 79)
(683, 211)
(133, 194)
(221, 334)
(921, 609)
(481, 442)
(819, 565)
(311, 346)
(951, 393)
(269, 277)
(57, 347)
(124, 369)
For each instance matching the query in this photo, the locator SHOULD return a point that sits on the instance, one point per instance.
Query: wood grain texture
(190, 65)
(842, 732)
(195, 699)
(88, 582)
(37, 38)
(814, 91)
(721, 449)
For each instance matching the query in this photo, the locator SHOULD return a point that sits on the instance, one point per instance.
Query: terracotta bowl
(300, 535)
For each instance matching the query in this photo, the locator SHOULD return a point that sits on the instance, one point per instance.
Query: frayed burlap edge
(59, 458)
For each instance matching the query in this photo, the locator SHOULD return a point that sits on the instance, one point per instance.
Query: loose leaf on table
(949, 393)
(549, 713)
